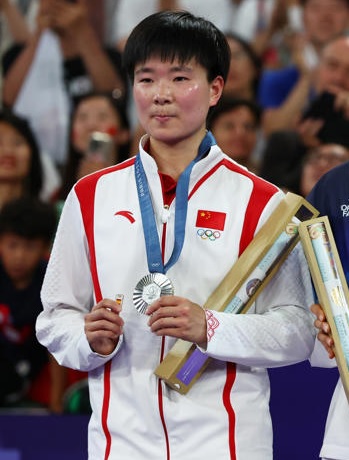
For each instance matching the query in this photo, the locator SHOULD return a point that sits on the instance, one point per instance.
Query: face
(172, 100)
(94, 114)
(236, 133)
(241, 71)
(320, 160)
(15, 155)
(20, 256)
(334, 66)
(325, 19)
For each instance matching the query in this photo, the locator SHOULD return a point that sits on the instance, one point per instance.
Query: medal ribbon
(152, 243)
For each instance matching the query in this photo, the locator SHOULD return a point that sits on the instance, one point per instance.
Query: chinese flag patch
(210, 219)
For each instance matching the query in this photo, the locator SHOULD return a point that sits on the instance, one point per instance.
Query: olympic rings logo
(208, 234)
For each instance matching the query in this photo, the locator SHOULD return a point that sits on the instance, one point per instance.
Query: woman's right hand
(103, 326)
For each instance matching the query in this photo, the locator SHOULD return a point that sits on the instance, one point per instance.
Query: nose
(162, 94)
(5, 147)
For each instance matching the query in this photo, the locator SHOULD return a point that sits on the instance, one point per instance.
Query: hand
(278, 18)
(103, 326)
(178, 317)
(324, 334)
(68, 17)
(308, 130)
(341, 102)
(44, 16)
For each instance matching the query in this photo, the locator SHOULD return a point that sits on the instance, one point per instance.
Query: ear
(216, 90)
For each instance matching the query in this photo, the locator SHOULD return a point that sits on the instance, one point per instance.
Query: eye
(19, 142)
(181, 78)
(250, 127)
(144, 80)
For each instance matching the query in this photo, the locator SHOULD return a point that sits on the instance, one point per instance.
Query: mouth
(162, 115)
(7, 161)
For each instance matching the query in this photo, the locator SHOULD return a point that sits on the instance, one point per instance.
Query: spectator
(95, 112)
(244, 71)
(296, 167)
(85, 67)
(325, 120)
(285, 93)
(27, 227)
(330, 197)
(317, 161)
(43, 179)
(21, 171)
(44, 78)
(235, 124)
(272, 35)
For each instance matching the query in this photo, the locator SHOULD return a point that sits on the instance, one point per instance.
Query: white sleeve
(278, 330)
(67, 294)
(319, 356)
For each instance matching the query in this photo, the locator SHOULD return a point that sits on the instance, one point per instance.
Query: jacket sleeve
(278, 329)
(67, 294)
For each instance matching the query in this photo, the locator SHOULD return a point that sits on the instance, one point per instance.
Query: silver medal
(150, 288)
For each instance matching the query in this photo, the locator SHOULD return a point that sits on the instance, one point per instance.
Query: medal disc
(150, 288)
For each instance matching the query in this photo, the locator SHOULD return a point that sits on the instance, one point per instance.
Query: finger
(163, 301)
(109, 304)
(103, 318)
(164, 313)
(318, 312)
(115, 326)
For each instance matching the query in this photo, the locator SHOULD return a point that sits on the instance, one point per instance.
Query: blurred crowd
(66, 110)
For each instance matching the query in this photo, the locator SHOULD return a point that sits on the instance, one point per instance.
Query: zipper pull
(165, 214)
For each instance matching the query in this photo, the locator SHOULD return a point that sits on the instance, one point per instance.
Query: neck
(22, 283)
(173, 159)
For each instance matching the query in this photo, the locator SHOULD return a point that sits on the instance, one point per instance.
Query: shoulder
(259, 183)
(332, 188)
(87, 185)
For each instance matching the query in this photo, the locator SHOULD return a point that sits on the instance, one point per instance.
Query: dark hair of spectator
(252, 55)
(29, 218)
(227, 103)
(178, 35)
(34, 180)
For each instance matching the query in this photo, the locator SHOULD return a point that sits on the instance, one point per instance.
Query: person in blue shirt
(331, 197)
(285, 94)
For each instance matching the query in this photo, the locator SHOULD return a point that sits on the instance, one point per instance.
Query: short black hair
(29, 218)
(178, 35)
(34, 180)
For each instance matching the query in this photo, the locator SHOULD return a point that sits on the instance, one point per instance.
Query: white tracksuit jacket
(99, 251)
